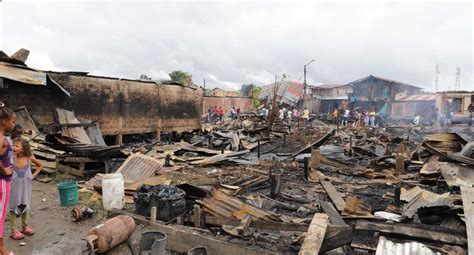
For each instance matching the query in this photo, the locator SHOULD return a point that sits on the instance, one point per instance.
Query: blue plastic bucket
(68, 193)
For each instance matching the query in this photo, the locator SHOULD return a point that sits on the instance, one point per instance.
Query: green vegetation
(256, 90)
(181, 77)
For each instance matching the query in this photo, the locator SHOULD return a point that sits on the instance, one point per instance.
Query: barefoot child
(21, 187)
(7, 122)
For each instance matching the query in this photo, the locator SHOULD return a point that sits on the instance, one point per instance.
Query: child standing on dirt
(21, 187)
(7, 123)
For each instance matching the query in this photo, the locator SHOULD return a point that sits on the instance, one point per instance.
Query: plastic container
(169, 201)
(68, 194)
(112, 191)
(153, 242)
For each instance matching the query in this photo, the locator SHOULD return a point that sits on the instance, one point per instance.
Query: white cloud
(247, 42)
(215, 82)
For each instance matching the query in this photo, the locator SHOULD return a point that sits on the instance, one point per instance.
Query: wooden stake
(315, 159)
(198, 217)
(153, 214)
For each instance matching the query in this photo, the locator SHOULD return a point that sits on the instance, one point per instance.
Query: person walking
(305, 116)
(345, 117)
(372, 118)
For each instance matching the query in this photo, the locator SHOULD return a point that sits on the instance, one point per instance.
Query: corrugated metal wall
(313, 104)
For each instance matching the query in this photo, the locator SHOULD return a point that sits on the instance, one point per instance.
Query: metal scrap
(394, 247)
(139, 167)
(217, 203)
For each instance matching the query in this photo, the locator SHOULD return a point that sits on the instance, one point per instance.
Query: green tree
(255, 94)
(181, 77)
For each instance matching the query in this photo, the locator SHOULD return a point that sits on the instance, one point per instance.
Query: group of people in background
(370, 118)
(293, 114)
(215, 113)
(362, 118)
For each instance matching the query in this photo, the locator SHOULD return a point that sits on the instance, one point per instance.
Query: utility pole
(436, 78)
(457, 85)
(304, 74)
(204, 91)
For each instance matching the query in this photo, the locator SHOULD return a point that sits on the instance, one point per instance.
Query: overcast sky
(233, 43)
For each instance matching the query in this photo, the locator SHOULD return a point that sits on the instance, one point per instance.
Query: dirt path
(55, 233)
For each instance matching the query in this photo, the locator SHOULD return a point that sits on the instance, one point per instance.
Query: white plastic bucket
(112, 191)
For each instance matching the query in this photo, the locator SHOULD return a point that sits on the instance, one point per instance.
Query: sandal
(17, 235)
(28, 231)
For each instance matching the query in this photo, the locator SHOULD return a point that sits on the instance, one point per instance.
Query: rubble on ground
(291, 189)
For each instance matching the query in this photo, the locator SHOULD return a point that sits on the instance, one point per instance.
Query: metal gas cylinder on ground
(111, 233)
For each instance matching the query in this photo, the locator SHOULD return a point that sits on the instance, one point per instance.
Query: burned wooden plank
(315, 159)
(219, 158)
(198, 216)
(244, 224)
(260, 224)
(314, 145)
(70, 170)
(467, 194)
(188, 147)
(422, 231)
(315, 235)
(24, 119)
(334, 216)
(400, 159)
(335, 196)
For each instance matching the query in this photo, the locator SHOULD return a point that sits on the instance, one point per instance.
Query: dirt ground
(55, 233)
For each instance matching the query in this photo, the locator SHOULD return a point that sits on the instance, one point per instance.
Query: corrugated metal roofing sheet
(27, 75)
(68, 117)
(385, 79)
(289, 91)
(139, 167)
(95, 135)
(392, 247)
(22, 74)
(217, 203)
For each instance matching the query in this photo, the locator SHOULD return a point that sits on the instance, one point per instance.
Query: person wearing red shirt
(220, 113)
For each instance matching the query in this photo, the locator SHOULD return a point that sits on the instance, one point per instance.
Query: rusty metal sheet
(22, 74)
(139, 167)
(219, 204)
(68, 117)
(409, 195)
(423, 199)
(456, 174)
(94, 133)
(393, 247)
(53, 82)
